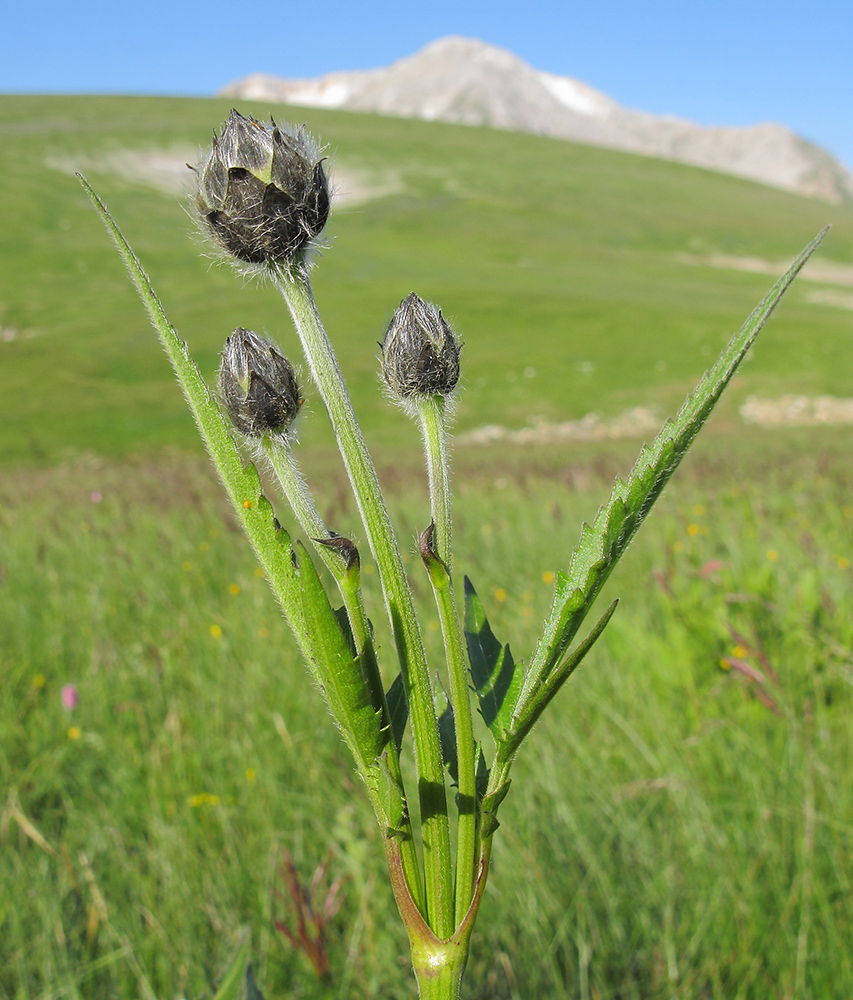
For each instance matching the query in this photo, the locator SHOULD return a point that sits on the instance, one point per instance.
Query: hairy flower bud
(262, 192)
(420, 353)
(257, 385)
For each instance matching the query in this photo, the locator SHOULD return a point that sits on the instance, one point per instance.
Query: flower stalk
(431, 414)
(457, 669)
(420, 368)
(295, 288)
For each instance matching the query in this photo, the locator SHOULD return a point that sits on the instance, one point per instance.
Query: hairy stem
(431, 415)
(466, 845)
(296, 291)
(280, 454)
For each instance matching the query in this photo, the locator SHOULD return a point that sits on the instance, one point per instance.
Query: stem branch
(431, 415)
(296, 291)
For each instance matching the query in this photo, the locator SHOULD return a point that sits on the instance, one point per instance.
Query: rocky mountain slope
(469, 82)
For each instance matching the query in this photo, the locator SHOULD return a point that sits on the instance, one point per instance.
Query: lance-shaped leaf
(446, 732)
(528, 714)
(387, 790)
(489, 809)
(497, 679)
(369, 665)
(341, 676)
(602, 544)
(398, 710)
(482, 773)
(293, 579)
(242, 484)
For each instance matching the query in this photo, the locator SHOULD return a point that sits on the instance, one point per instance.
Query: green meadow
(681, 823)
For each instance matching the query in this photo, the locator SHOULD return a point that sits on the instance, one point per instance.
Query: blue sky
(715, 63)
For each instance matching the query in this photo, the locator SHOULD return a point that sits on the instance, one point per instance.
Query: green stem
(280, 454)
(431, 413)
(296, 291)
(294, 487)
(431, 416)
(439, 974)
(439, 965)
(466, 846)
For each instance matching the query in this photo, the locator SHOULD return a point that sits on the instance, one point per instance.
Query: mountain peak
(462, 52)
(471, 82)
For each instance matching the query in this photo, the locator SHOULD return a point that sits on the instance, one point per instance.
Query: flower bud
(257, 385)
(420, 353)
(262, 192)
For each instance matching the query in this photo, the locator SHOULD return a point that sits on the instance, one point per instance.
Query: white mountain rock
(469, 82)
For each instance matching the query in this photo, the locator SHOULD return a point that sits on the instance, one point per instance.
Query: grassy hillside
(558, 264)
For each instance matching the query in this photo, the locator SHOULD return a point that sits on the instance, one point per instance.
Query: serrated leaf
(243, 485)
(601, 545)
(342, 676)
(446, 732)
(496, 677)
(398, 710)
(482, 773)
(324, 645)
(533, 708)
(489, 810)
(391, 797)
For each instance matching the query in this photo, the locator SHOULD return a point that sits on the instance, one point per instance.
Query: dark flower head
(257, 385)
(262, 191)
(420, 353)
